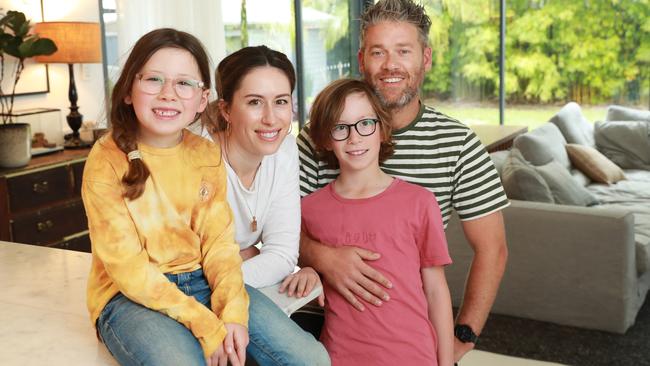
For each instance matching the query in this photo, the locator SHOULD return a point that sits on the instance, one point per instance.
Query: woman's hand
(233, 348)
(301, 283)
(249, 252)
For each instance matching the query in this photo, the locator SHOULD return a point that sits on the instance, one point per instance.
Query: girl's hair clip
(135, 154)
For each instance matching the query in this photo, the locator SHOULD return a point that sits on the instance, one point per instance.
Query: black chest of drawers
(40, 204)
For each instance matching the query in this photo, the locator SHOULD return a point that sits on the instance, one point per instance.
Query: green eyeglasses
(152, 83)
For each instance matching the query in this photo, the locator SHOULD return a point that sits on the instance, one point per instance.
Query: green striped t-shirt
(434, 151)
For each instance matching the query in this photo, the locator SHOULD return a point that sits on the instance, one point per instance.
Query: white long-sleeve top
(274, 199)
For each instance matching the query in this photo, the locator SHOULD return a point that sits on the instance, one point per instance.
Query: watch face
(464, 333)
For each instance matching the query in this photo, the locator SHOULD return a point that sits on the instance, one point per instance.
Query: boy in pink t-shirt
(368, 208)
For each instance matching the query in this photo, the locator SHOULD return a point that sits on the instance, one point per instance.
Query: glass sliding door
(326, 45)
(595, 53)
(464, 78)
(259, 22)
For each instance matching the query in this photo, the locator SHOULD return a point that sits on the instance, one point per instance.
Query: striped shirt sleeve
(477, 191)
(308, 163)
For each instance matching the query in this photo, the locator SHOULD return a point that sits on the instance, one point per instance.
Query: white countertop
(44, 321)
(43, 315)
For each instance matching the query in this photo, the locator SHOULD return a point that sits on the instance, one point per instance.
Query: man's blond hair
(396, 11)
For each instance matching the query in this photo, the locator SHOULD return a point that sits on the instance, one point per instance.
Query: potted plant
(16, 41)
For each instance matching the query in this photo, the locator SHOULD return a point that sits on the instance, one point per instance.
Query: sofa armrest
(567, 265)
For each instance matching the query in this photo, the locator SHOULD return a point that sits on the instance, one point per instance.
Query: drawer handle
(41, 187)
(44, 226)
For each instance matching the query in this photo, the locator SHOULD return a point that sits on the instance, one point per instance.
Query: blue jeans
(136, 335)
(276, 340)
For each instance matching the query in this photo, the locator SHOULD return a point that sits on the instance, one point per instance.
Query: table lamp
(77, 42)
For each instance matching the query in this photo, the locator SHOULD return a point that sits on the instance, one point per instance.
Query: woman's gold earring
(228, 129)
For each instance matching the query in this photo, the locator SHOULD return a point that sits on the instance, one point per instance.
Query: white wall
(202, 18)
(89, 78)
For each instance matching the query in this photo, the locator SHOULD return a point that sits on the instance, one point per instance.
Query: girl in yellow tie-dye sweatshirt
(165, 287)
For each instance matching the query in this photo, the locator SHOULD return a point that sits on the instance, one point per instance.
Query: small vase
(15, 145)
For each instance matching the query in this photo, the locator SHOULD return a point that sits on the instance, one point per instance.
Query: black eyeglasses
(364, 127)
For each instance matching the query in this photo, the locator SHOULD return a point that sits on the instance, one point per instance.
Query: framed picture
(35, 78)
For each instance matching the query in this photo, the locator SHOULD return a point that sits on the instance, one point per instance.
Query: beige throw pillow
(594, 164)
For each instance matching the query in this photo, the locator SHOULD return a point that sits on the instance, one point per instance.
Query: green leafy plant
(16, 41)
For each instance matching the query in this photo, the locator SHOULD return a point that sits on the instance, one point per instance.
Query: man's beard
(407, 96)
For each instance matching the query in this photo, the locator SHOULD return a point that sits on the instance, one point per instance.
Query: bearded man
(432, 150)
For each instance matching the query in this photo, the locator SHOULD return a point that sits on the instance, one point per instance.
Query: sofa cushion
(574, 126)
(580, 177)
(632, 194)
(542, 145)
(550, 183)
(594, 164)
(620, 113)
(565, 189)
(522, 182)
(626, 143)
(499, 159)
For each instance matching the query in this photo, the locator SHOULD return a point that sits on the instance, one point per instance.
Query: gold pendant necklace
(253, 224)
(254, 219)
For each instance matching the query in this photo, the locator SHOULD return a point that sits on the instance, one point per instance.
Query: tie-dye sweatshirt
(182, 222)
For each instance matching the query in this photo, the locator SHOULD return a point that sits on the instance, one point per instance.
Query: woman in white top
(253, 120)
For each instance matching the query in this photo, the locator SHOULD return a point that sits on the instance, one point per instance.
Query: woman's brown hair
(124, 122)
(327, 109)
(232, 70)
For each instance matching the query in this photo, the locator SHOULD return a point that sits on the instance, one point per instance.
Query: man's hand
(345, 269)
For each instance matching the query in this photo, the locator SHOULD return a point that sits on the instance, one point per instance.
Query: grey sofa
(583, 266)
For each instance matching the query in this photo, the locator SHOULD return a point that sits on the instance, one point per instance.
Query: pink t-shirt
(403, 223)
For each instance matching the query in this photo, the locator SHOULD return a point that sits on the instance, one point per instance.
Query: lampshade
(77, 42)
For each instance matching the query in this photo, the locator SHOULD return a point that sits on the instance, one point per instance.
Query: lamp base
(74, 142)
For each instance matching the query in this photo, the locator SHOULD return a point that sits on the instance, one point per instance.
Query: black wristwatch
(465, 334)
